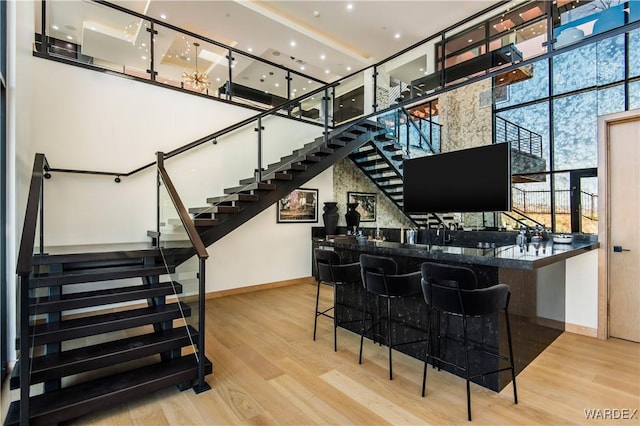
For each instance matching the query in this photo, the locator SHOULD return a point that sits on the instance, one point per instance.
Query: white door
(624, 224)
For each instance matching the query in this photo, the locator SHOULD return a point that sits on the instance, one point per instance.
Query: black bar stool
(380, 278)
(329, 269)
(452, 291)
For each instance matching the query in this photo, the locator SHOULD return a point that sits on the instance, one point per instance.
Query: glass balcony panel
(409, 75)
(257, 83)
(177, 249)
(307, 108)
(611, 100)
(100, 36)
(353, 97)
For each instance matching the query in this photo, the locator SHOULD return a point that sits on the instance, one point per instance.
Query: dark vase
(352, 217)
(330, 217)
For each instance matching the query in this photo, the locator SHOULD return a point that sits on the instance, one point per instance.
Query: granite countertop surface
(531, 256)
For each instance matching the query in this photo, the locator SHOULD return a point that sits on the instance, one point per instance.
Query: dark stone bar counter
(534, 273)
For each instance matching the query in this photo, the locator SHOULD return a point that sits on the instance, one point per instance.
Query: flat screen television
(469, 180)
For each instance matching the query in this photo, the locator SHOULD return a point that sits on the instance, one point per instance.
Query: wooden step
(205, 223)
(214, 209)
(95, 256)
(65, 302)
(77, 276)
(230, 200)
(251, 189)
(91, 325)
(88, 358)
(267, 177)
(75, 401)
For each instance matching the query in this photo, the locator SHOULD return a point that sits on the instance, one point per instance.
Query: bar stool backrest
(330, 268)
(453, 289)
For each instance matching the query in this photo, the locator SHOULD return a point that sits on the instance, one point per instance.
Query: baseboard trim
(581, 329)
(259, 287)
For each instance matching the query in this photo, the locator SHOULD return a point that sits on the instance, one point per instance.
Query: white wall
(582, 290)
(83, 119)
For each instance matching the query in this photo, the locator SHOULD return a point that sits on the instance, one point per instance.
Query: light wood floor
(268, 370)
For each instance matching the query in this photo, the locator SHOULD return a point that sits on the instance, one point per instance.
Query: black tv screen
(469, 180)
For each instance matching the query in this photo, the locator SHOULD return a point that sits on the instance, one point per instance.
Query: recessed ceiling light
(327, 71)
(144, 58)
(421, 69)
(348, 68)
(322, 57)
(277, 85)
(292, 43)
(69, 37)
(249, 49)
(302, 68)
(55, 27)
(304, 88)
(397, 35)
(163, 16)
(143, 44)
(217, 78)
(349, 6)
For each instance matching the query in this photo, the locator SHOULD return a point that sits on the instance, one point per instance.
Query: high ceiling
(323, 39)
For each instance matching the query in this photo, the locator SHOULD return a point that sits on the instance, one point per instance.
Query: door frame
(604, 206)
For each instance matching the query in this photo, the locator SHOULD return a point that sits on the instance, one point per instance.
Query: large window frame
(3, 190)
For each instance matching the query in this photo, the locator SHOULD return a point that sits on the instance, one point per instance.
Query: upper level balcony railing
(499, 42)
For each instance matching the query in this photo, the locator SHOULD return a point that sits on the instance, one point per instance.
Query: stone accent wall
(465, 123)
(347, 177)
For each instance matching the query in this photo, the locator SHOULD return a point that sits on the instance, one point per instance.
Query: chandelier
(196, 80)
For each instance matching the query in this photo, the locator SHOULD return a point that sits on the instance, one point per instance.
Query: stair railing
(34, 214)
(409, 119)
(163, 179)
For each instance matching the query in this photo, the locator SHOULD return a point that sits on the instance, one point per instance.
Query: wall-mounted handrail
(186, 220)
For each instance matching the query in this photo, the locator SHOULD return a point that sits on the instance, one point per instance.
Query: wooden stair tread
(66, 363)
(77, 276)
(88, 326)
(84, 398)
(48, 259)
(65, 302)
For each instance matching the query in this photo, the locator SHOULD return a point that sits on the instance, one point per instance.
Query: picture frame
(300, 206)
(366, 205)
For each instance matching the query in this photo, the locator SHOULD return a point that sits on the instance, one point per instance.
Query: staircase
(85, 357)
(224, 213)
(106, 326)
(381, 160)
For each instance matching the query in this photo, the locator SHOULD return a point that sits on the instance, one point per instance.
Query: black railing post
(202, 384)
(23, 312)
(259, 129)
(160, 163)
(41, 214)
(375, 88)
(152, 67)
(229, 90)
(44, 43)
(325, 106)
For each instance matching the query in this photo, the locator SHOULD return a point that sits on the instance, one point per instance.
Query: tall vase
(352, 217)
(330, 217)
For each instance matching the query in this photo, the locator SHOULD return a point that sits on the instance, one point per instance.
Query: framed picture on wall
(300, 206)
(366, 205)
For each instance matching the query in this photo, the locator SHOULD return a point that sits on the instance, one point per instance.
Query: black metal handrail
(34, 211)
(520, 138)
